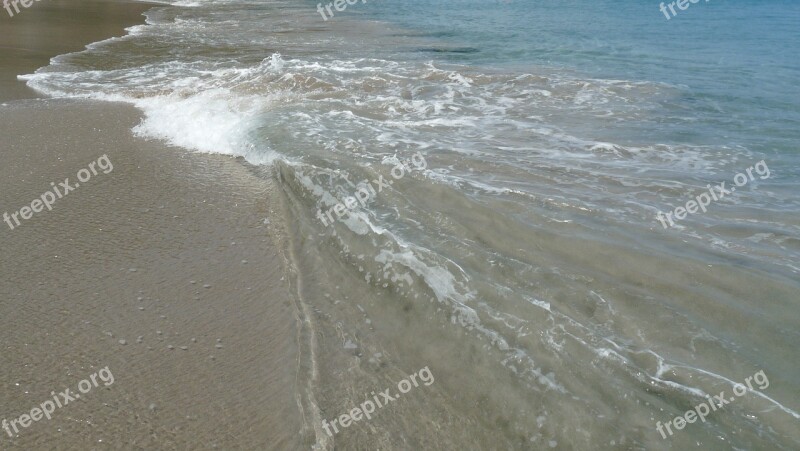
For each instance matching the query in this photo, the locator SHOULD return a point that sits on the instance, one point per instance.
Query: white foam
(213, 121)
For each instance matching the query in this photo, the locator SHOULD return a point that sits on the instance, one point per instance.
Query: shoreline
(55, 27)
(522, 267)
(182, 297)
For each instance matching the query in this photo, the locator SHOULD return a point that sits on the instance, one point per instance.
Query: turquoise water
(524, 262)
(737, 62)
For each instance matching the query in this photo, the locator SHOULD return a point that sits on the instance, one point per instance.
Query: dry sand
(170, 249)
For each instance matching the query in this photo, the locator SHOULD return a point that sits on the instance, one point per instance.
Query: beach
(507, 225)
(193, 285)
(36, 34)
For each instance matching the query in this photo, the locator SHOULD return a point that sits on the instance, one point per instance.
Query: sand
(166, 270)
(54, 27)
(168, 246)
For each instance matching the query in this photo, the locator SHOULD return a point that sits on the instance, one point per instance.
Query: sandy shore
(164, 270)
(167, 250)
(54, 27)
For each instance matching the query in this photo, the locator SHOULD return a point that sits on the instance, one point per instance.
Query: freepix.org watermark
(714, 192)
(47, 408)
(339, 5)
(682, 5)
(702, 410)
(15, 3)
(365, 191)
(48, 198)
(367, 407)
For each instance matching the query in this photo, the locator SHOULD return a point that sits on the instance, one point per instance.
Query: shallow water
(523, 262)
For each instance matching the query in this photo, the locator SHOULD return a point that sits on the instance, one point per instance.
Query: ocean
(527, 262)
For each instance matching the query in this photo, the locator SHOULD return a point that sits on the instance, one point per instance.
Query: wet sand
(54, 27)
(168, 246)
(166, 270)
